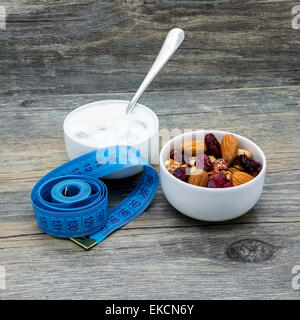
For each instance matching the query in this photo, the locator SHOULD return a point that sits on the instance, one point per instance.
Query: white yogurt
(104, 123)
(107, 125)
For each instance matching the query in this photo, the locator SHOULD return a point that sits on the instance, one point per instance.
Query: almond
(246, 152)
(239, 178)
(198, 178)
(193, 147)
(229, 147)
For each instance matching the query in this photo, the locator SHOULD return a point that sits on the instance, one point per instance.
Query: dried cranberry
(172, 153)
(228, 184)
(203, 162)
(218, 180)
(213, 146)
(211, 184)
(249, 165)
(181, 173)
(254, 174)
(221, 164)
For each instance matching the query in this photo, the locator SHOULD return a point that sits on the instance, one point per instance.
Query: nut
(243, 151)
(212, 159)
(229, 147)
(237, 167)
(171, 165)
(192, 170)
(239, 178)
(211, 164)
(228, 174)
(192, 161)
(193, 147)
(199, 178)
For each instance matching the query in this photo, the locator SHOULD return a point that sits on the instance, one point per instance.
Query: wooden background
(237, 70)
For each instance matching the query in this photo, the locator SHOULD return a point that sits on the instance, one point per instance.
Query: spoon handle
(171, 44)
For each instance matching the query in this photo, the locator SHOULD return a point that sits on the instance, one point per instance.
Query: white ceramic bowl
(212, 204)
(76, 147)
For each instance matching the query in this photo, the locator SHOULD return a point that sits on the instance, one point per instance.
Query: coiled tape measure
(70, 201)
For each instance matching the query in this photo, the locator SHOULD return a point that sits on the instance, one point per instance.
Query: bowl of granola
(212, 175)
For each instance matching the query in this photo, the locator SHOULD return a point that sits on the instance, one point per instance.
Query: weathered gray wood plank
(67, 51)
(162, 254)
(153, 263)
(62, 47)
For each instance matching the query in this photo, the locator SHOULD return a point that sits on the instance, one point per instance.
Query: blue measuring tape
(70, 201)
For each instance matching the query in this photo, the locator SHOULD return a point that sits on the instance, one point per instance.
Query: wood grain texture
(237, 70)
(87, 46)
(161, 254)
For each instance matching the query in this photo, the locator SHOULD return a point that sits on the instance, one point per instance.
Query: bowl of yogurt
(105, 123)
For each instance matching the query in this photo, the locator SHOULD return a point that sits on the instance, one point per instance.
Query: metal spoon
(171, 44)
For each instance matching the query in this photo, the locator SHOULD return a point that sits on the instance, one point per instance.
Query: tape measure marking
(83, 214)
